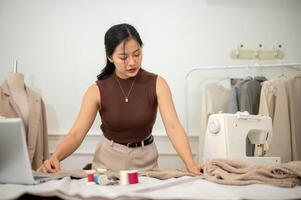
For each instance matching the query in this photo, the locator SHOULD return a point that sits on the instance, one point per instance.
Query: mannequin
(18, 100)
(16, 85)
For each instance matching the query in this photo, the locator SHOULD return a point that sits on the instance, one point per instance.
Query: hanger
(282, 75)
(248, 71)
(224, 78)
(225, 81)
(16, 66)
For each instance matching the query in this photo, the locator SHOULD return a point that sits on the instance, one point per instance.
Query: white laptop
(15, 166)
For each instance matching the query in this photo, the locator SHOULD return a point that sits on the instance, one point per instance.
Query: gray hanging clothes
(234, 95)
(249, 96)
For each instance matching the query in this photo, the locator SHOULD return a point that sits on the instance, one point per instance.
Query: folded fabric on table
(161, 174)
(75, 174)
(237, 172)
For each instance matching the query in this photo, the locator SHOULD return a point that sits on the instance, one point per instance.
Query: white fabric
(181, 188)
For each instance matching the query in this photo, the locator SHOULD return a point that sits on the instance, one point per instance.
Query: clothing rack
(294, 66)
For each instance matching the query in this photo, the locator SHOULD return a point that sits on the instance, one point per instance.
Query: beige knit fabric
(161, 174)
(236, 172)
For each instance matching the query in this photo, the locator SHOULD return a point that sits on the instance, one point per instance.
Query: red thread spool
(133, 177)
(90, 175)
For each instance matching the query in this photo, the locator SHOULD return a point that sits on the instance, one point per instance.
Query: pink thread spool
(133, 177)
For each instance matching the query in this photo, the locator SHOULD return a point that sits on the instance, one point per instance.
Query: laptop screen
(15, 165)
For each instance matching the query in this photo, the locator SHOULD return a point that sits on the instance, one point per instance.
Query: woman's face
(127, 58)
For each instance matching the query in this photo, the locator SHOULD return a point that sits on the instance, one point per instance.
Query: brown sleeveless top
(132, 121)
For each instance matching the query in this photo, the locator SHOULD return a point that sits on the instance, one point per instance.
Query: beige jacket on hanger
(215, 99)
(293, 87)
(36, 129)
(274, 103)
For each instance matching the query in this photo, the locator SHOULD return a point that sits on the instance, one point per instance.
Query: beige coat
(215, 98)
(274, 103)
(293, 87)
(36, 129)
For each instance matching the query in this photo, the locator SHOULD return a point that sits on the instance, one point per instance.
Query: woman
(127, 98)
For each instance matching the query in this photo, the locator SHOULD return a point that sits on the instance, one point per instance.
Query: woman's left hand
(196, 169)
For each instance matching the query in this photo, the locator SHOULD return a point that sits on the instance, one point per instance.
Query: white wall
(59, 43)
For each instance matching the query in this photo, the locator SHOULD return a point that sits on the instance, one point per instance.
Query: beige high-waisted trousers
(114, 156)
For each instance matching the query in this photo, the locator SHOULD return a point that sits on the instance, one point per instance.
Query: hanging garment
(274, 103)
(36, 129)
(215, 98)
(233, 106)
(293, 87)
(250, 94)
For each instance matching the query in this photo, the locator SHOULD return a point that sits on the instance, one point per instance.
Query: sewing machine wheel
(214, 126)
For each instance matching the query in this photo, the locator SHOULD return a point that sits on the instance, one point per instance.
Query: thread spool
(133, 177)
(90, 177)
(124, 178)
(101, 170)
(101, 179)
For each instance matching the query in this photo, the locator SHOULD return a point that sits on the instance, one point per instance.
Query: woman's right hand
(52, 165)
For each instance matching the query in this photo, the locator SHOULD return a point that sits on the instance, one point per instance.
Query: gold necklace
(126, 97)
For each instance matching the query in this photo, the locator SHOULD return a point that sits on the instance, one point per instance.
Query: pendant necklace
(126, 96)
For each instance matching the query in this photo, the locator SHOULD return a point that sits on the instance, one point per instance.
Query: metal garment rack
(295, 66)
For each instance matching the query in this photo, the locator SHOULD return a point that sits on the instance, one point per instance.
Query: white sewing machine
(239, 136)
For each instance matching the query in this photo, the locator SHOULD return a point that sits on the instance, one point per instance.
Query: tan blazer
(36, 129)
(274, 103)
(293, 87)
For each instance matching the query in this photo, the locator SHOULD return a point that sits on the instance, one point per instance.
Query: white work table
(149, 188)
